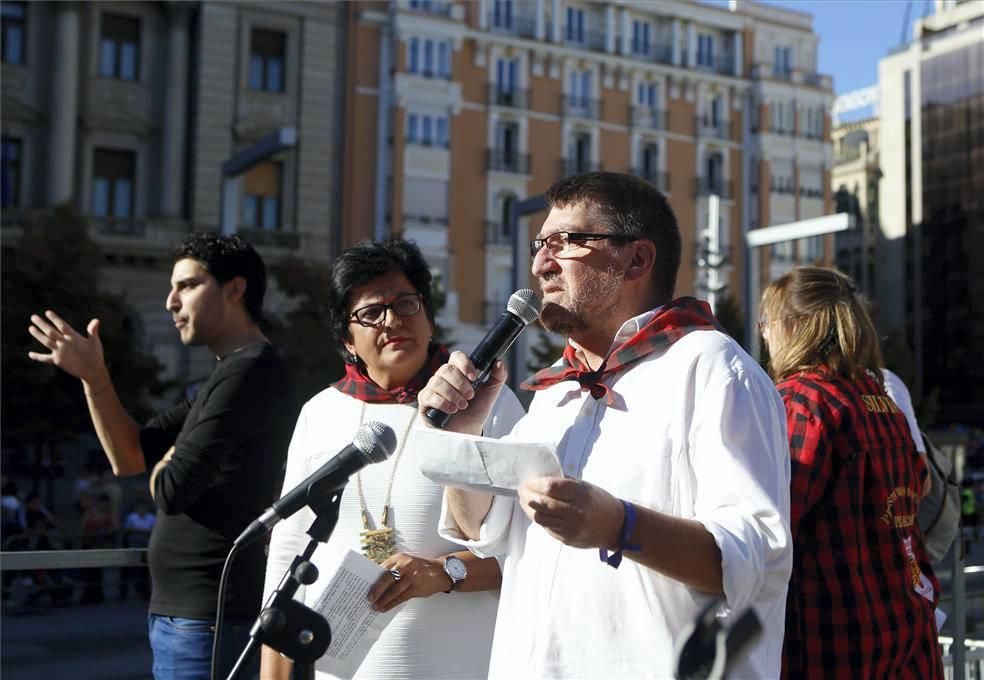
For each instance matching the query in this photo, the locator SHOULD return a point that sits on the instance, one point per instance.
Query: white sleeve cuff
(493, 538)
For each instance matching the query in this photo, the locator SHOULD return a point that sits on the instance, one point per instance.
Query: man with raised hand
(216, 461)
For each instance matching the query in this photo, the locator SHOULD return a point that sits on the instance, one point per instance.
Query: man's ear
(235, 289)
(642, 259)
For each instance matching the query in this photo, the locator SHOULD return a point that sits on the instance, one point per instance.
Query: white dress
(442, 636)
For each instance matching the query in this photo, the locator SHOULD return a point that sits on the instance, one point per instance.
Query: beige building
(130, 109)
(455, 110)
(854, 180)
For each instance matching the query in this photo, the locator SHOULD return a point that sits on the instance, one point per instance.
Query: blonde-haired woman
(862, 593)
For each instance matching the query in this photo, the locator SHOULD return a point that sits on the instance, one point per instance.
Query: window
(14, 31)
(715, 173)
(782, 66)
(508, 202)
(113, 179)
(782, 251)
(428, 130)
(10, 177)
(429, 58)
(647, 94)
(441, 137)
(705, 49)
(507, 74)
(502, 16)
(716, 106)
(413, 58)
(580, 87)
(640, 37)
(267, 56)
(580, 152)
(261, 197)
(444, 59)
(506, 140)
(575, 25)
(650, 160)
(119, 47)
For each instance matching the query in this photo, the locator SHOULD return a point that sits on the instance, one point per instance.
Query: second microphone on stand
(522, 309)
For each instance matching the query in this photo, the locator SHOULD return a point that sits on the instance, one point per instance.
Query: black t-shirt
(230, 445)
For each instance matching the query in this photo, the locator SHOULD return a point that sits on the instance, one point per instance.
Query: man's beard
(587, 304)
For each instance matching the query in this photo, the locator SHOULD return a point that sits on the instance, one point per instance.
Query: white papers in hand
(355, 627)
(481, 463)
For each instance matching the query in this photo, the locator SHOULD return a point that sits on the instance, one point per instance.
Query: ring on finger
(395, 573)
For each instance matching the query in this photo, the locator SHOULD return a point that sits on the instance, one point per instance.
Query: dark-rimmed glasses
(374, 314)
(563, 240)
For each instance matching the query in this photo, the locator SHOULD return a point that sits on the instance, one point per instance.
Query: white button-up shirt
(697, 431)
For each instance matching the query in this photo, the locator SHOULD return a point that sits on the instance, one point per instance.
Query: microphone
(710, 650)
(522, 309)
(373, 443)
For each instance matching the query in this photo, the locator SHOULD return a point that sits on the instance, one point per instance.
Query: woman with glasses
(382, 319)
(862, 593)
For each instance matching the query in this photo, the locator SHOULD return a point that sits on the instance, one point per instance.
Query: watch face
(455, 568)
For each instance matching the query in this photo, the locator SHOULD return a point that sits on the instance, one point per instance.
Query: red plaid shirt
(858, 555)
(359, 385)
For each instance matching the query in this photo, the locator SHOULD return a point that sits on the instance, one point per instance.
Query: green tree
(303, 335)
(55, 265)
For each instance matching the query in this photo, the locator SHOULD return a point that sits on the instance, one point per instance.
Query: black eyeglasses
(375, 314)
(565, 240)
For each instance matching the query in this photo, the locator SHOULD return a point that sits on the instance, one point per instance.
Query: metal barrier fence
(962, 658)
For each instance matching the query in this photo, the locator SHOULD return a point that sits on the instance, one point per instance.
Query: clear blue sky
(855, 34)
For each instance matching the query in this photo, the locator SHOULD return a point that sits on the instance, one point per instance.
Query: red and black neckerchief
(672, 322)
(359, 385)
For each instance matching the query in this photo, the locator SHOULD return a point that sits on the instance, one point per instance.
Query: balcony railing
(275, 238)
(662, 54)
(782, 189)
(521, 27)
(572, 166)
(119, 226)
(503, 161)
(432, 220)
(781, 130)
(812, 135)
(720, 187)
(430, 7)
(724, 64)
(704, 126)
(659, 179)
(648, 117)
(794, 75)
(516, 99)
(581, 107)
(806, 192)
(495, 233)
(589, 40)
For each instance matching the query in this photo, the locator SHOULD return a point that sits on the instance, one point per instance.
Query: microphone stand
(293, 629)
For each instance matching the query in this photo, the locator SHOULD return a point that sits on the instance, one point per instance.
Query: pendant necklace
(379, 544)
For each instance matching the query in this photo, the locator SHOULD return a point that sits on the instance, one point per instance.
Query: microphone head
(525, 304)
(376, 440)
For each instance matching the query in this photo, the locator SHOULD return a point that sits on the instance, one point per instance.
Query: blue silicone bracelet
(628, 526)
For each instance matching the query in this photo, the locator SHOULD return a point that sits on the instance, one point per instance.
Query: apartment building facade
(130, 110)
(455, 111)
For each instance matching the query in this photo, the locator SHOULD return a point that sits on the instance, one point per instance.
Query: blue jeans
(183, 647)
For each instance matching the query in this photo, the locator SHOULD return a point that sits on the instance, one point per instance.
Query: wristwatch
(456, 571)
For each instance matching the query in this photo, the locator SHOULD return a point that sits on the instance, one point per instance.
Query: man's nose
(172, 302)
(543, 262)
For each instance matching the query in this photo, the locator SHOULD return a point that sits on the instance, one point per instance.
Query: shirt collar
(626, 331)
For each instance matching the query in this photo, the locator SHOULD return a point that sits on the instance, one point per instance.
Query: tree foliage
(57, 266)
(304, 336)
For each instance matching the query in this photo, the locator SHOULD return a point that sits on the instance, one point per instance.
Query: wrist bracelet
(628, 526)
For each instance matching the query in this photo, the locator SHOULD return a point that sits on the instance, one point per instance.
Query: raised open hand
(76, 354)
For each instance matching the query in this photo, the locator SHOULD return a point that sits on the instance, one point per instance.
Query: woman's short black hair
(225, 258)
(364, 262)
